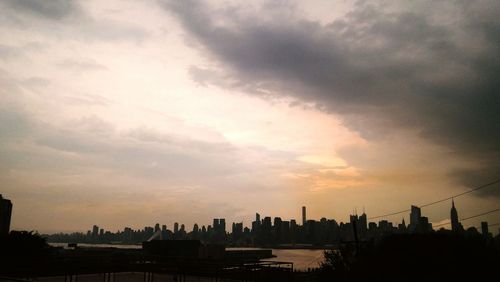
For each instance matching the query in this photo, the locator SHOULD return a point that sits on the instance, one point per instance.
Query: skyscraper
(362, 225)
(5, 215)
(484, 229)
(304, 219)
(222, 225)
(456, 226)
(415, 215)
(95, 231)
(402, 226)
(237, 231)
(215, 225)
(164, 233)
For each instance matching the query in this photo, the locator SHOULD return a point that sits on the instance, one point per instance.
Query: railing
(74, 264)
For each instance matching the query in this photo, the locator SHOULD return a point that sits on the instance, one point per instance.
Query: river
(302, 258)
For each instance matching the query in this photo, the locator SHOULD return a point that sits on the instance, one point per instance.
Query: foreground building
(5, 215)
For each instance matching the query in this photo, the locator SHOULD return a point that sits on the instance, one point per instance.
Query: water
(302, 259)
(84, 245)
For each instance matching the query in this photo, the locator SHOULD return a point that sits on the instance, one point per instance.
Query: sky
(129, 113)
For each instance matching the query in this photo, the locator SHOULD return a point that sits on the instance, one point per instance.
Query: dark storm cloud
(64, 19)
(433, 68)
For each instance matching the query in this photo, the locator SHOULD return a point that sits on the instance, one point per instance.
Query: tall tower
(304, 219)
(215, 225)
(5, 215)
(455, 224)
(484, 229)
(95, 231)
(222, 225)
(415, 215)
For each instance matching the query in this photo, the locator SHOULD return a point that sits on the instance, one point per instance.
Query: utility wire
(389, 214)
(490, 225)
(470, 217)
(463, 193)
(440, 201)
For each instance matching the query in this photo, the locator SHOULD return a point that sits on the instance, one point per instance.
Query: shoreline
(139, 245)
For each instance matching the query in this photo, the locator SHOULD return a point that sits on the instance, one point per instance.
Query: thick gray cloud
(64, 19)
(432, 68)
(53, 9)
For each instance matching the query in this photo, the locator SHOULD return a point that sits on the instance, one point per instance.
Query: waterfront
(302, 259)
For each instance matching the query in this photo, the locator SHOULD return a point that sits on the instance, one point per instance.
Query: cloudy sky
(128, 113)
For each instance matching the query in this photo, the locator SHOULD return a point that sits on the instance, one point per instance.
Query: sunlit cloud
(126, 113)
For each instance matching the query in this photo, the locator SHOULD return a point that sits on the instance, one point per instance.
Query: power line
(470, 217)
(389, 214)
(439, 201)
(490, 225)
(463, 193)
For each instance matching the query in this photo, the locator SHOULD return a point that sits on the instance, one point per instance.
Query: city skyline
(453, 223)
(277, 231)
(124, 112)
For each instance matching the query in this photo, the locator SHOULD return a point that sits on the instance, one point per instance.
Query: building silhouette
(456, 226)
(5, 215)
(415, 215)
(402, 226)
(95, 231)
(484, 229)
(237, 231)
(304, 219)
(268, 232)
(424, 226)
(222, 225)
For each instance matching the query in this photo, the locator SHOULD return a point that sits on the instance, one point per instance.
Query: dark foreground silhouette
(417, 257)
(22, 248)
(21, 252)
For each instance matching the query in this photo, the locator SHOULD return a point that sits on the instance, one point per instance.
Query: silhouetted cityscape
(271, 141)
(351, 251)
(276, 232)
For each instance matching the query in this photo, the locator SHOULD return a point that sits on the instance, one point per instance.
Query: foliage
(422, 257)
